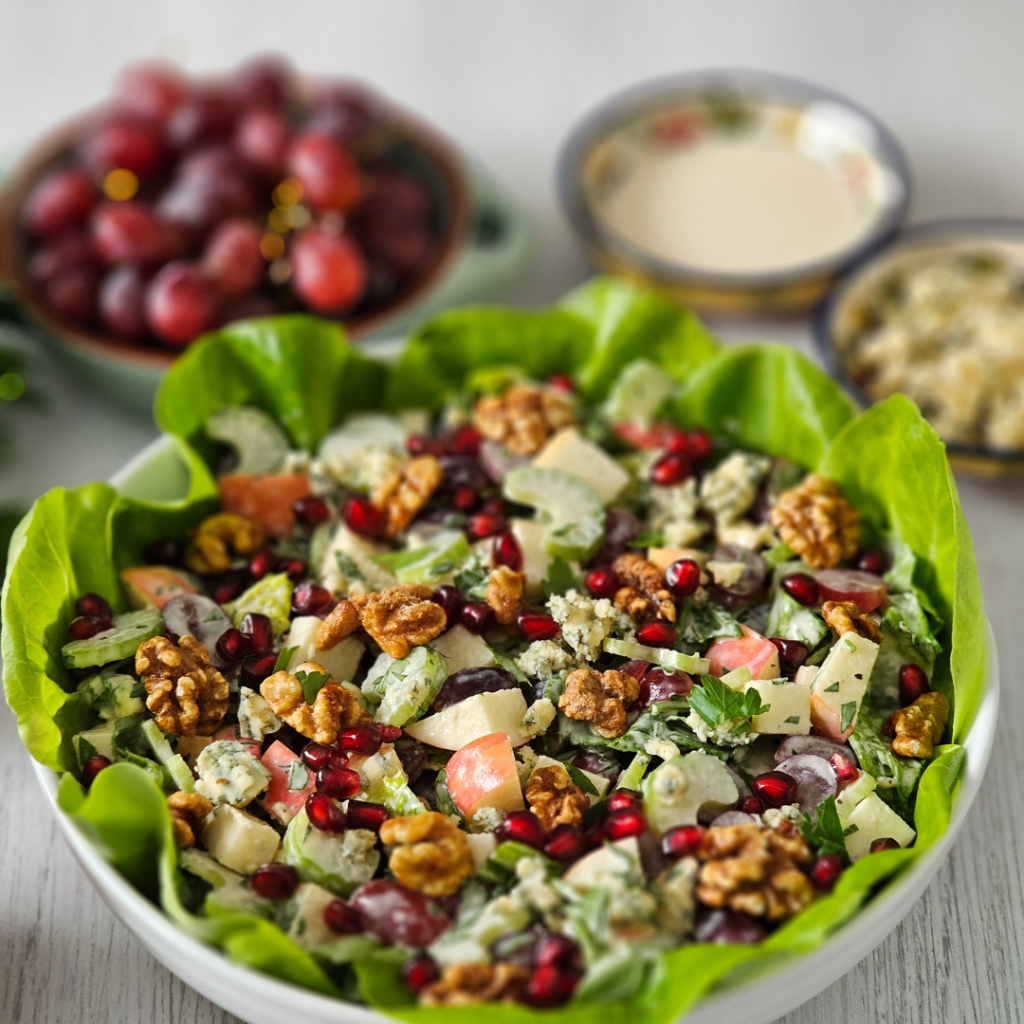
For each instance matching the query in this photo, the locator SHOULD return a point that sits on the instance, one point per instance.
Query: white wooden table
(508, 78)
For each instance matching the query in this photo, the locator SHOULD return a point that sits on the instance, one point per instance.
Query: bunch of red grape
(191, 204)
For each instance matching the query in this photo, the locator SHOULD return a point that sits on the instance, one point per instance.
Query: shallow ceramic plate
(732, 189)
(843, 308)
(157, 473)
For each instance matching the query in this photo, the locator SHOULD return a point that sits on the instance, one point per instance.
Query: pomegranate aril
(477, 617)
(258, 630)
(775, 788)
(595, 834)
(462, 441)
(419, 971)
(728, 927)
(556, 951)
(875, 561)
(324, 814)
(389, 733)
(521, 827)
(340, 783)
(366, 815)
(420, 444)
(316, 756)
(562, 382)
(565, 843)
(362, 516)
(311, 599)
(342, 918)
(274, 881)
(675, 441)
(230, 586)
(700, 444)
(885, 843)
(657, 685)
(92, 767)
(295, 569)
(826, 871)
(483, 525)
(449, 598)
(846, 771)
(93, 604)
(536, 626)
(803, 588)
(465, 499)
(628, 821)
(233, 645)
(622, 798)
(312, 510)
(550, 986)
(365, 739)
(262, 564)
(683, 578)
(506, 550)
(255, 670)
(672, 468)
(86, 626)
(792, 654)
(913, 682)
(602, 582)
(751, 805)
(657, 633)
(682, 841)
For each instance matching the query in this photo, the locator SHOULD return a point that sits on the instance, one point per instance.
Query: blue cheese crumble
(730, 489)
(256, 718)
(672, 512)
(585, 622)
(544, 659)
(229, 773)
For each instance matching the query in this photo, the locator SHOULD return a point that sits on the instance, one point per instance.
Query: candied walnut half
(505, 593)
(755, 870)
(336, 707)
(643, 593)
(430, 853)
(186, 694)
(342, 622)
(400, 618)
(555, 798)
(917, 728)
(817, 522)
(846, 617)
(524, 417)
(401, 497)
(467, 984)
(209, 550)
(600, 698)
(188, 810)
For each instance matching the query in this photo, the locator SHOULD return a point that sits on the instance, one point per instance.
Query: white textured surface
(508, 78)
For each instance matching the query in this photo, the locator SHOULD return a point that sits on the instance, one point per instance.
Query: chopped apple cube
(238, 840)
(840, 685)
(873, 819)
(480, 715)
(484, 774)
(304, 914)
(536, 560)
(574, 454)
(462, 649)
(340, 661)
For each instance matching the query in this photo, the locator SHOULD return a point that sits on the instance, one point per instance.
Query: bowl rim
(755, 1000)
(626, 105)
(55, 142)
(915, 236)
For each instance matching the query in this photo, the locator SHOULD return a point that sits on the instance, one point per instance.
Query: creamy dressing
(735, 206)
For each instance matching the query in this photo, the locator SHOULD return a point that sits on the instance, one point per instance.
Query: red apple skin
(280, 801)
(751, 650)
(483, 774)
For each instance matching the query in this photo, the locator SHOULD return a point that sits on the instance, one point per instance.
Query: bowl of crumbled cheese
(939, 316)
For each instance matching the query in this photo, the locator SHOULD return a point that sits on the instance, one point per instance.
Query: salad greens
(888, 461)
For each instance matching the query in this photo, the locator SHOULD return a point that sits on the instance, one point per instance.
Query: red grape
(121, 305)
(130, 233)
(344, 112)
(205, 116)
(181, 303)
(262, 81)
(151, 89)
(232, 257)
(125, 142)
(329, 271)
(262, 139)
(402, 246)
(62, 199)
(394, 196)
(73, 293)
(56, 258)
(198, 204)
(328, 173)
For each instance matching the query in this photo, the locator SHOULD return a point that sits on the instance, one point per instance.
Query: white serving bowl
(259, 999)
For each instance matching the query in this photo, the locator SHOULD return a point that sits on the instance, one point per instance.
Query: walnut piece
(401, 496)
(400, 618)
(336, 707)
(430, 853)
(919, 727)
(209, 550)
(467, 984)
(524, 417)
(186, 694)
(188, 810)
(555, 798)
(846, 617)
(754, 870)
(342, 622)
(505, 593)
(817, 522)
(599, 698)
(643, 594)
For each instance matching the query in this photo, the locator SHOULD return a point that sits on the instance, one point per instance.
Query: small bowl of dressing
(733, 190)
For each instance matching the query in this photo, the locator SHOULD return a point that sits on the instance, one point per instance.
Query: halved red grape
(865, 589)
(397, 915)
